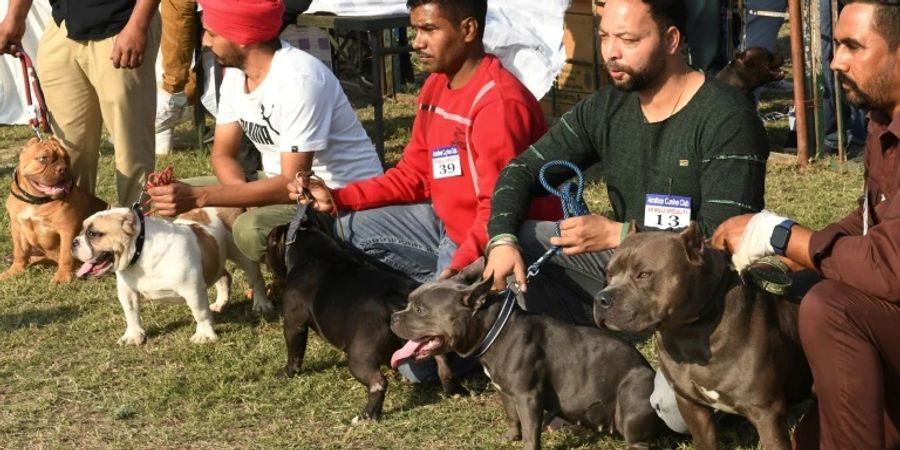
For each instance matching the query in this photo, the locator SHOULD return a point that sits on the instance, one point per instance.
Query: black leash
(571, 198)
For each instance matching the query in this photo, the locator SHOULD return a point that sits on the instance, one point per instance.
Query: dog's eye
(91, 234)
(43, 159)
(643, 275)
(420, 310)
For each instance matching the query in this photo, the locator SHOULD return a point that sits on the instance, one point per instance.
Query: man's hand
(176, 198)
(447, 273)
(728, 235)
(747, 237)
(129, 47)
(11, 34)
(505, 260)
(590, 233)
(321, 196)
(12, 28)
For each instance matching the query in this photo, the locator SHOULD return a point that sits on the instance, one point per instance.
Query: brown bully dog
(46, 209)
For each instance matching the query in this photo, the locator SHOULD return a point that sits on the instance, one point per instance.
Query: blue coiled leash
(571, 197)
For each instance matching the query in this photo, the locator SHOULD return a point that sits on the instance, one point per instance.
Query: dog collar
(509, 304)
(139, 240)
(25, 196)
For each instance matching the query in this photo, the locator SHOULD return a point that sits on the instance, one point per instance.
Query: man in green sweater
(672, 146)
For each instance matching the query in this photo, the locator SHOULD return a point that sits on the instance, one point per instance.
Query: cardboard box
(581, 6)
(578, 36)
(564, 101)
(576, 78)
(311, 40)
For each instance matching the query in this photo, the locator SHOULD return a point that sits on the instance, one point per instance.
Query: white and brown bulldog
(45, 209)
(159, 259)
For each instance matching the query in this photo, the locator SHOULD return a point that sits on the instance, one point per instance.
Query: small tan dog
(160, 260)
(46, 208)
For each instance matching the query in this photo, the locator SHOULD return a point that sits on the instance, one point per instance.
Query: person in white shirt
(289, 104)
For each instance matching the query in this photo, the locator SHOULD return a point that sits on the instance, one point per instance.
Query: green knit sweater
(713, 150)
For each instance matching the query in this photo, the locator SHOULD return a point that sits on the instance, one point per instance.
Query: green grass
(64, 383)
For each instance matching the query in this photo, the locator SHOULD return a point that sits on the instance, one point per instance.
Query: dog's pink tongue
(408, 351)
(84, 269)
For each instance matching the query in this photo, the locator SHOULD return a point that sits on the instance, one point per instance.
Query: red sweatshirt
(461, 139)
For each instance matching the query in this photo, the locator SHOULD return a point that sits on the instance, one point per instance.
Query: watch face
(780, 237)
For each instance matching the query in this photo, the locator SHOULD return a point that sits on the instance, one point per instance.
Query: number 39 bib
(445, 162)
(667, 211)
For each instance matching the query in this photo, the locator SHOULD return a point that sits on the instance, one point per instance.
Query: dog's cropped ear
(471, 273)
(275, 249)
(693, 242)
(128, 223)
(475, 295)
(32, 141)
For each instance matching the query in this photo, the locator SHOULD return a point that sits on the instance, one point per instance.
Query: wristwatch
(780, 236)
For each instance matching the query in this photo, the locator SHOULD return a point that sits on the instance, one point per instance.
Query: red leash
(155, 179)
(37, 112)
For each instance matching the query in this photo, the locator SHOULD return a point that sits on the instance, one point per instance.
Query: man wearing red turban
(284, 100)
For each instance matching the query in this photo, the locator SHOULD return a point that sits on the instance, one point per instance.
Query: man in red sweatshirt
(428, 216)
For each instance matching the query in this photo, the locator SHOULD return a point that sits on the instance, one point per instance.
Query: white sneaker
(164, 141)
(171, 109)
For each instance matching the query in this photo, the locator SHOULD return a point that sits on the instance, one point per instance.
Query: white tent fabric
(12, 96)
(525, 34)
(531, 49)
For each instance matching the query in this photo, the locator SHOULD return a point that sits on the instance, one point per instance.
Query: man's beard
(639, 80)
(868, 99)
(233, 60)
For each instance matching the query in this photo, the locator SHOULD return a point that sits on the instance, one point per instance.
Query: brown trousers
(852, 342)
(177, 46)
(84, 91)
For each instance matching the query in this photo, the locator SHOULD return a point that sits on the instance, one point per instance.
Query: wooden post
(796, 17)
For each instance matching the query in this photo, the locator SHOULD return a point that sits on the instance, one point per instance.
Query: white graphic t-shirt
(300, 107)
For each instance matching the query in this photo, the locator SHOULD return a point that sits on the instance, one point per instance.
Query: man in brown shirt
(850, 322)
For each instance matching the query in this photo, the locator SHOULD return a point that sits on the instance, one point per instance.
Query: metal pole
(796, 18)
(838, 94)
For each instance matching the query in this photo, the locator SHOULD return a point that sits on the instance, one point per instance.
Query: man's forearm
(18, 10)
(142, 14)
(798, 246)
(264, 192)
(228, 170)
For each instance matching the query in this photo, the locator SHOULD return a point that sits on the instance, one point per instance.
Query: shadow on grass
(430, 392)
(37, 317)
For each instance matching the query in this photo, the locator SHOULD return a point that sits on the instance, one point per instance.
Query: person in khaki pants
(96, 63)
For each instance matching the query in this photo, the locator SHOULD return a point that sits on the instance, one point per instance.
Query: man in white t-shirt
(289, 104)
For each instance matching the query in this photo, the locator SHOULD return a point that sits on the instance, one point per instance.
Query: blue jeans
(703, 34)
(761, 30)
(409, 238)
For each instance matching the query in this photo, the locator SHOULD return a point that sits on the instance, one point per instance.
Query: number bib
(667, 211)
(445, 162)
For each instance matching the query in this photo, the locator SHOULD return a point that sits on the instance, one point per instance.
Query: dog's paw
(263, 307)
(513, 434)
(133, 337)
(362, 419)
(204, 337)
(455, 390)
(217, 307)
(62, 277)
(11, 272)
